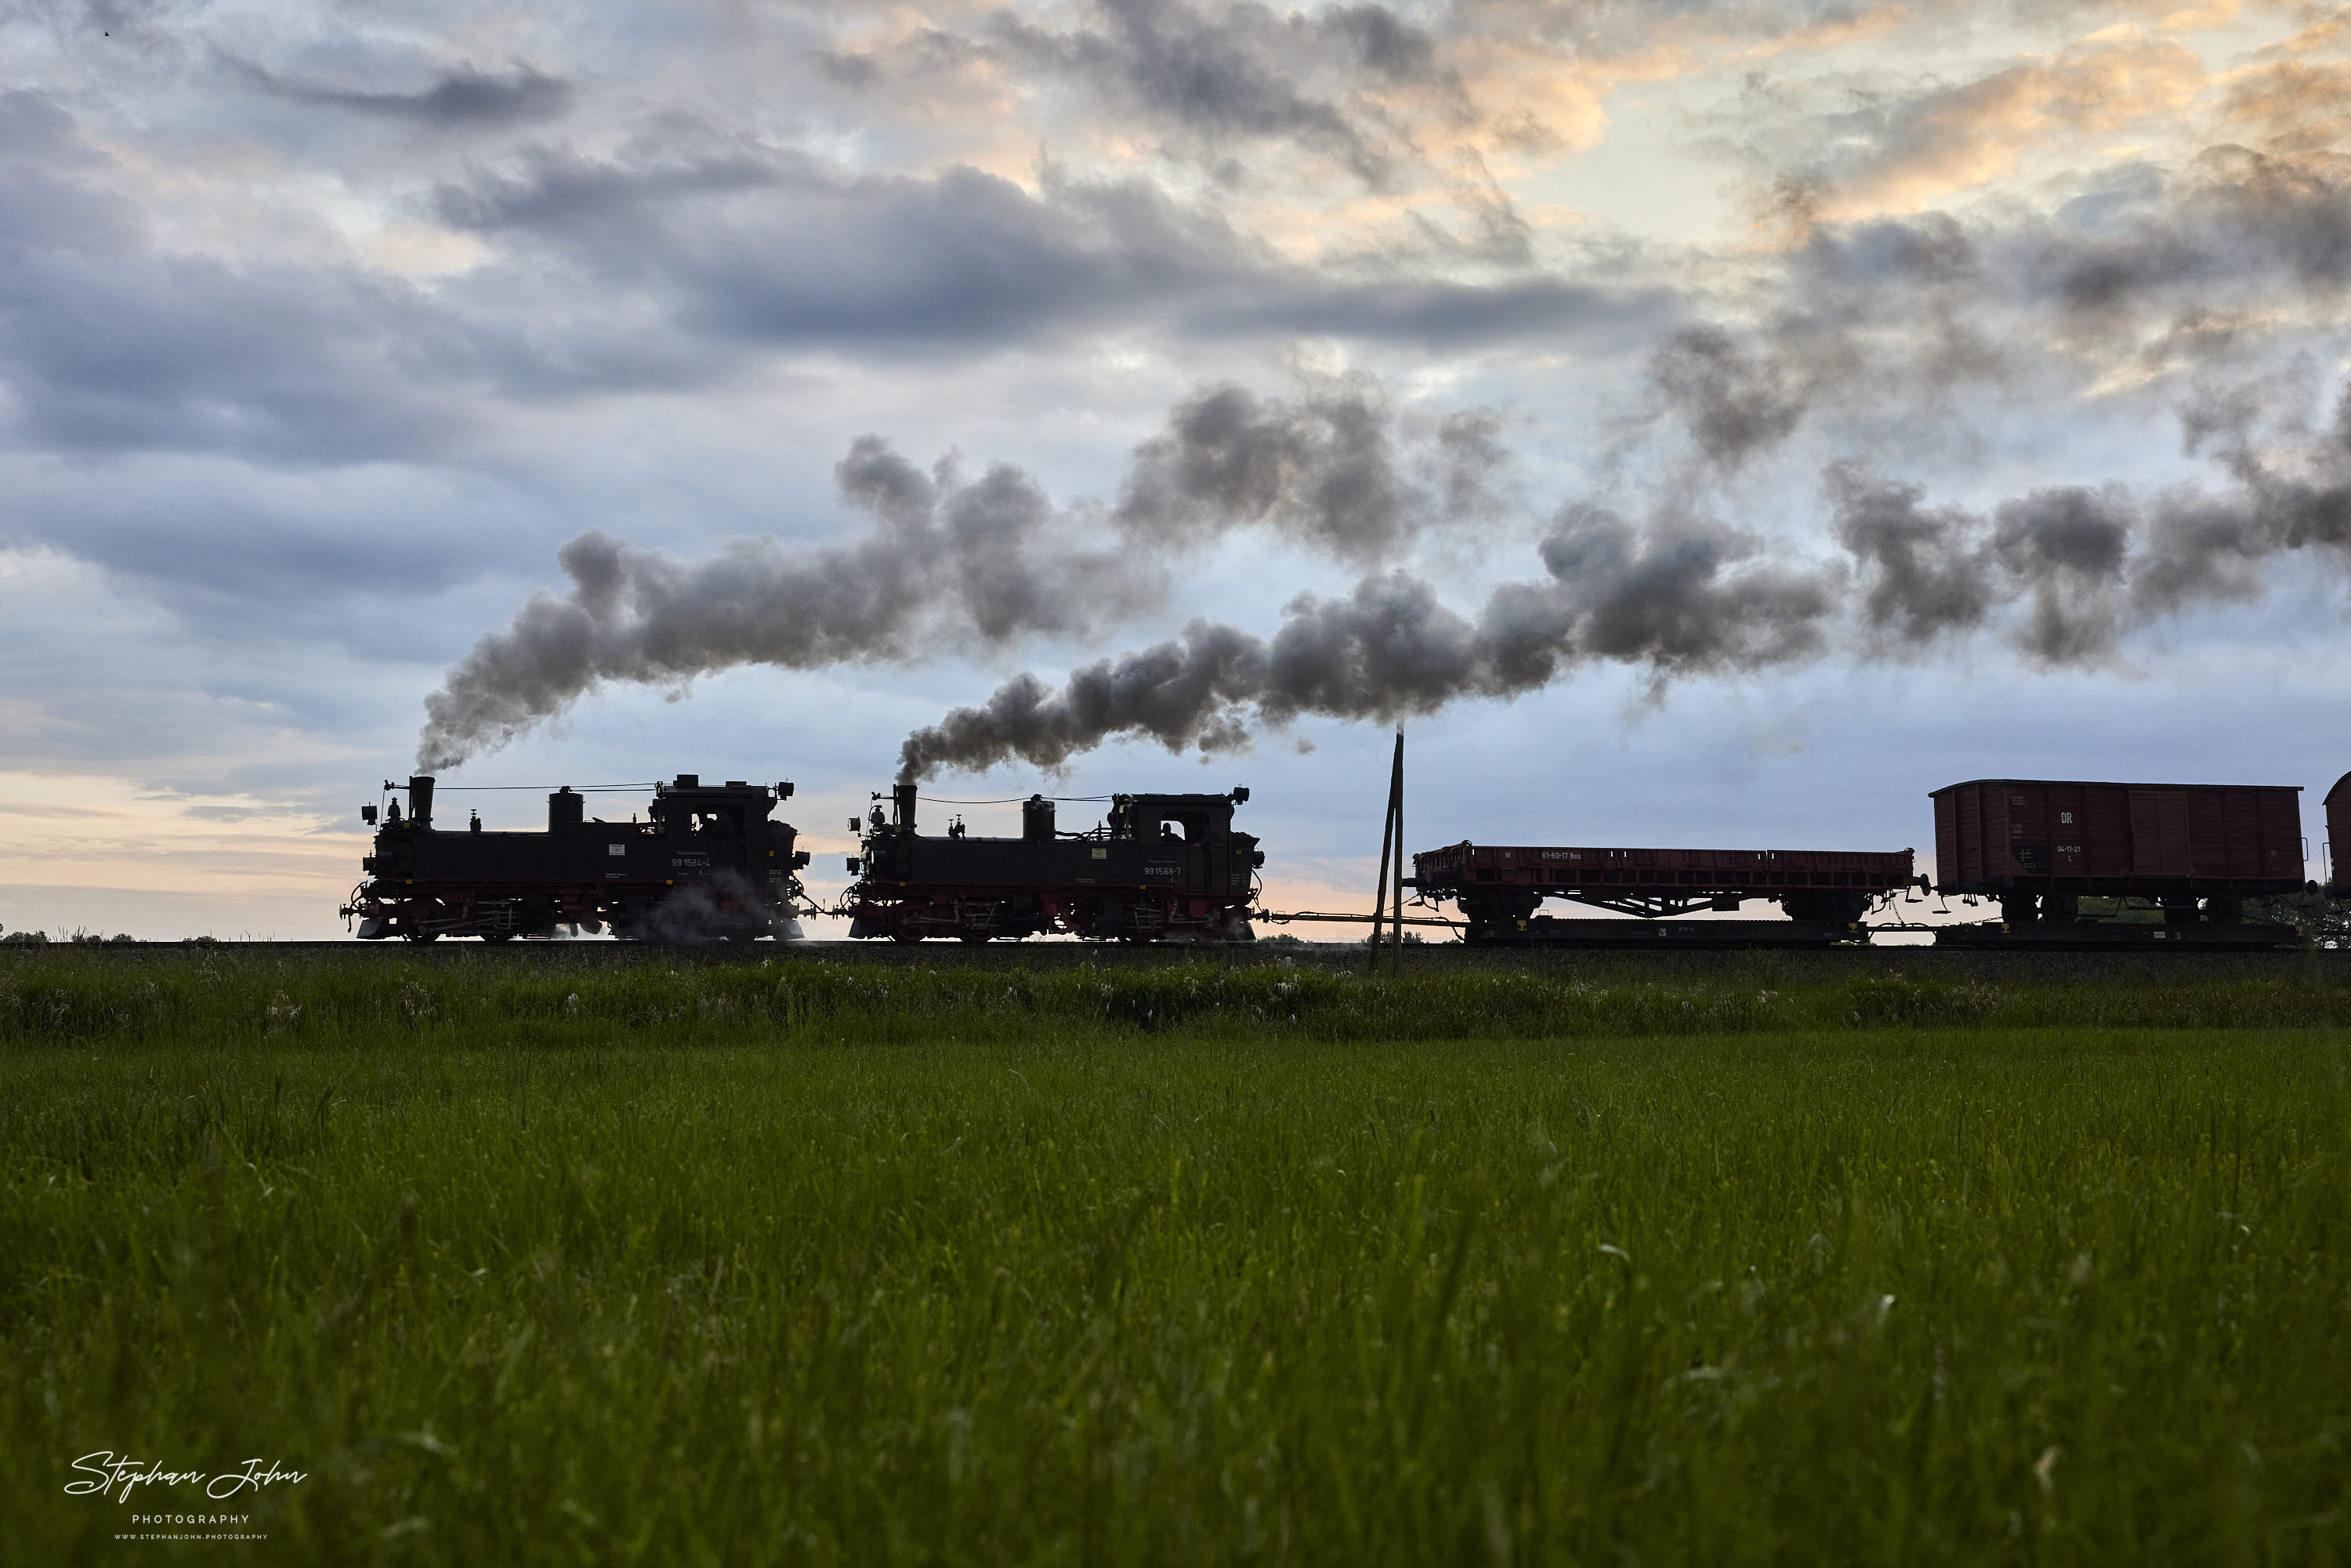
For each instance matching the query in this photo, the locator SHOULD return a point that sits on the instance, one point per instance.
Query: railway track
(1616, 962)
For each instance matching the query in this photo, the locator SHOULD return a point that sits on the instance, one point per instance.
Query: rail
(1271, 918)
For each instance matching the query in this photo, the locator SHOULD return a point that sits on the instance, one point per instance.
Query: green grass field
(818, 1264)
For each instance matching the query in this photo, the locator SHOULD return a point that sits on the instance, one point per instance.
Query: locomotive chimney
(565, 810)
(1037, 819)
(420, 801)
(902, 797)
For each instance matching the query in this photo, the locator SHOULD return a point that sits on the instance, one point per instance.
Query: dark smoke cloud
(1322, 468)
(2062, 573)
(1679, 596)
(949, 561)
(945, 561)
(1733, 400)
(2149, 270)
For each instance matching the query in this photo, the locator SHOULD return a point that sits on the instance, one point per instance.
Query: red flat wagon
(1498, 887)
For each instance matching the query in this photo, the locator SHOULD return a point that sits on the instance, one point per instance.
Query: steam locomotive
(708, 864)
(1158, 868)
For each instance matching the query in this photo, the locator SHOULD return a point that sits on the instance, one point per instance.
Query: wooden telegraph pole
(1391, 883)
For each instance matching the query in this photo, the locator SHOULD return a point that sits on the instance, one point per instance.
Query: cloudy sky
(1711, 425)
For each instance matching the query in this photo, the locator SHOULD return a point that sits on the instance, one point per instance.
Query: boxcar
(2041, 846)
(2338, 833)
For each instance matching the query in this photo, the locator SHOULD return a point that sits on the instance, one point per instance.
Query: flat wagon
(1500, 887)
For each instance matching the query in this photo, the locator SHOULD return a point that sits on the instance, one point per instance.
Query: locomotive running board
(1549, 931)
(2102, 938)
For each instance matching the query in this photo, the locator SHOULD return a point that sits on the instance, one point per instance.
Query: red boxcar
(2038, 846)
(1496, 885)
(2338, 832)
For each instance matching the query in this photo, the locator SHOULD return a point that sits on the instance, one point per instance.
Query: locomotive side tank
(709, 863)
(2040, 846)
(1160, 867)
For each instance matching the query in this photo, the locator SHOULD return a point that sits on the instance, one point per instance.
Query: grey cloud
(48, 202)
(288, 363)
(1210, 75)
(758, 247)
(465, 98)
(106, 343)
(783, 250)
(1436, 313)
(699, 261)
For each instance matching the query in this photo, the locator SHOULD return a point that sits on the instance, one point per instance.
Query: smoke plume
(1681, 595)
(948, 561)
(2061, 573)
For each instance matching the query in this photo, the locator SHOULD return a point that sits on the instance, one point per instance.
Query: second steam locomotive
(1158, 868)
